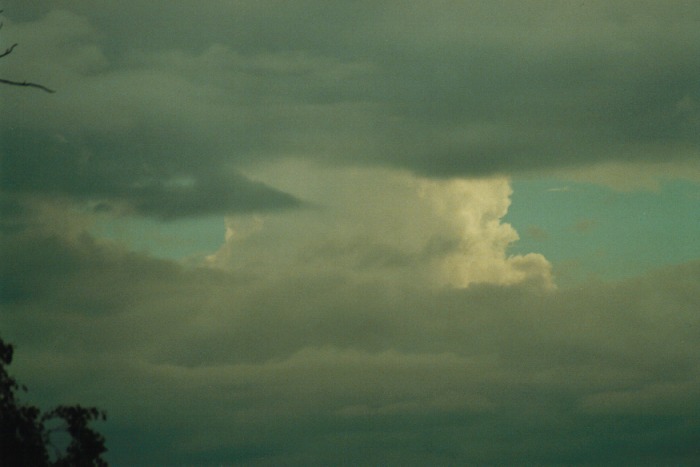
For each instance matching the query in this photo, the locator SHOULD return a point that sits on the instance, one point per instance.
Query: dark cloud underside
(443, 89)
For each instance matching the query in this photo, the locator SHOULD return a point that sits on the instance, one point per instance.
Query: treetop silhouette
(25, 439)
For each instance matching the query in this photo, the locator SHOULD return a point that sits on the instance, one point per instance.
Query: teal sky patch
(590, 230)
(176, 240)
(585, 230)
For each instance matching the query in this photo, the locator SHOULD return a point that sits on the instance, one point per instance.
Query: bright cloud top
(474, 208)
(384, 224)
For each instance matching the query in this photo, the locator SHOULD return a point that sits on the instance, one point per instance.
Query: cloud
(385, 223)
(119, 139)
(475, 209)
(304, 359)
(305, 368)
(165, 94)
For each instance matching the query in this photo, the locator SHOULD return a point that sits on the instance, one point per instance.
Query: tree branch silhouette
(25, 83)
(7, 52)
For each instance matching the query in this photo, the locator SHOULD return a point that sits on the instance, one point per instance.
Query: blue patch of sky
(587, 230)
(176, 240)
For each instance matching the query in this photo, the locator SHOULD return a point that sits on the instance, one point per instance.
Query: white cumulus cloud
(379, 223)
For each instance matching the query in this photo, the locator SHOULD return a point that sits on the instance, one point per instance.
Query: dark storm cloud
(475, 88)
(108, 177)
(444, 89)
(135, 147)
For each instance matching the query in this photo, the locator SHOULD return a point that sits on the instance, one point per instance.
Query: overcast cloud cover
(364, 305)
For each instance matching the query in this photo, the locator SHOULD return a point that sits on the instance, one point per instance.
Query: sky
(357, 233)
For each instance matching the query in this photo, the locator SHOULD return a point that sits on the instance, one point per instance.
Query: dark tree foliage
(24, 437)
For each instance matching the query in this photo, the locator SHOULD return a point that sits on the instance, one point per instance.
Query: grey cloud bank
(152, 94)
(209, 366)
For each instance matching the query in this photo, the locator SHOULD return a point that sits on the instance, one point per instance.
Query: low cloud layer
(215, 366)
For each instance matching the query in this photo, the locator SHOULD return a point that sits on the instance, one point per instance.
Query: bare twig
(9, 50)
(24, 83)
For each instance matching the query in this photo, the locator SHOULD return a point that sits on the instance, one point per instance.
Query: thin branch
(24, 83)
(8, 50)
